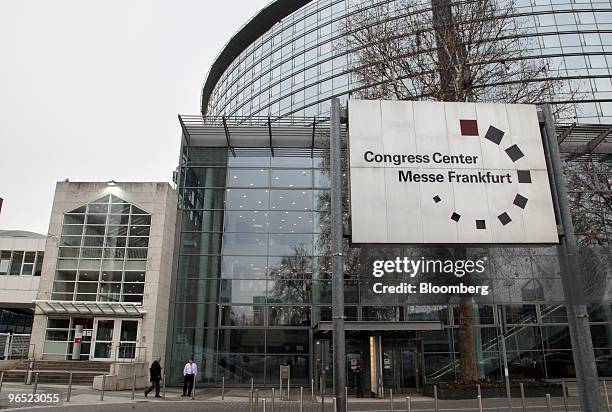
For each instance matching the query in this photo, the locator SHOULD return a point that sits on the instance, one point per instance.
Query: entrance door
(408, 369)
(401, 365)
(115, 339)
(104, 331)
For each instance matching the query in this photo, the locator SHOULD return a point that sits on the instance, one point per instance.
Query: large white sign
(447, 173)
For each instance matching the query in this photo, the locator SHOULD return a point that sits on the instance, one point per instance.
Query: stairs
(57, 372)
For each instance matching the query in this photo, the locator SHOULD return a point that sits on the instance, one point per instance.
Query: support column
(337, 260)
(589, 392)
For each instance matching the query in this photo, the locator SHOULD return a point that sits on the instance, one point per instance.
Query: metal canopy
(382, 326)
(258, 136)
(585, 141)
(113, 309)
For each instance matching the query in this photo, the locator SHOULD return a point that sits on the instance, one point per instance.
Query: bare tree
(472, 50)
(444, 50)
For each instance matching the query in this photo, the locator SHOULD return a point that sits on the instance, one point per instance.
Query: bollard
(193, 391)
(564, 389)
(251, 401)
(479, 391)
(1, 380)
(605, 388)
(35, 383)
(256, 400)
(103, 387)
(164, 386)
(523, 397)
(323, 401)
(69, 387)
(334, 406)
(436, 398)
(391, 398)
(134, 385)
(312, 389)
(346, 399)
(301, 399)
(548, 403)
(479, 403)
(408, 404)
(251, 384)
(272, 401)
(264, 404)
(223, 389)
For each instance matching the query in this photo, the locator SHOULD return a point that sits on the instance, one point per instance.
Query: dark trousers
(188, 380)
(154, 385)
(358, 388)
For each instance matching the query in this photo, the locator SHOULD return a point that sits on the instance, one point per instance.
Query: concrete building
(107, 270)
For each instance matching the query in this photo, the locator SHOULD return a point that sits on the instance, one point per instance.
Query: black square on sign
(455, 216)
(494, 134)
(520, 201)
(437, 199)
(524, 176)
(481, 224)
(504, 218)
(514, 153)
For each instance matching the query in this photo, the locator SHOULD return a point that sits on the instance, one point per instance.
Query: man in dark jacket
(155, 371)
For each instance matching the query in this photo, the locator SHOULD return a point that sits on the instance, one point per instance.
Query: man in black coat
(155, 371)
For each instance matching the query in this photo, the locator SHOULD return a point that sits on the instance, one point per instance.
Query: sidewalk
(236, 399)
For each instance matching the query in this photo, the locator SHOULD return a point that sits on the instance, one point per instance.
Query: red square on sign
(468, 127)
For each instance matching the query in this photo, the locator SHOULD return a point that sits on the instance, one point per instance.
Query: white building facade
(105, 283)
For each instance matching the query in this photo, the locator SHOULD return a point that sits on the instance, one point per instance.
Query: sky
(90, 91)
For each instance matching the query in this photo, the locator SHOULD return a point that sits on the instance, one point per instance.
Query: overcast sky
(90, 91)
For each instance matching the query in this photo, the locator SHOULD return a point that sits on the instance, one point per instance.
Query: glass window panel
(242, 316)
(16, 263)
(96, 219)
(291, 222)
(134, 253)
(289, 291)
(133, 288)
(291, 200)
(134, 277)
(118, 219)
(120, 208)
(91, 253)
(289, 315)
(94, 230)
(141, 230)
(65, 275)
(287, 341)
(245, 244)
(243, 291)
(86, 287)
(95, 241)
(290, 244)
(205, 177)
(135, 265)
(244, 267)
(138, 242)
(131, 298)
(299, 367)
(140, 220)
(90, 276)
(72, 230)
(248, 178)
(247, 199)
(116, 231)
(63, 287)
(116, 242)
(70, 219)
(70, 241)
(129, 330)
(5, 260)
(112, 276)
(242, 340)
(246, 221)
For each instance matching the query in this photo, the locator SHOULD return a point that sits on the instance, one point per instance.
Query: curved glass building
(253, 288)
(288, 60)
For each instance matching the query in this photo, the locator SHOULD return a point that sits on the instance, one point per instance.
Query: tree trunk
(467, 356)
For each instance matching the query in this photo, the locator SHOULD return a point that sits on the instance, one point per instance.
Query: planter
(471, 391)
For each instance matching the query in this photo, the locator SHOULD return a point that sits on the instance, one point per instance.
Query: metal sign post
(502, 337)
(337, 260)
(285, 373)
(589, 391)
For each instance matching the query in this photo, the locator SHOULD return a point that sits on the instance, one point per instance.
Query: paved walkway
(208, 399)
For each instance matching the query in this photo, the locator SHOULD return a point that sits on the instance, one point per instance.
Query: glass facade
(253, 281)
(103, 253)
(19, 262)
(299, 64)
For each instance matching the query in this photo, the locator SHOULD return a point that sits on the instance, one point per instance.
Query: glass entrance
(103, 335)
(401, 365)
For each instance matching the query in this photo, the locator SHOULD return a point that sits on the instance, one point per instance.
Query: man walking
(189, 373)
(155, 372)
